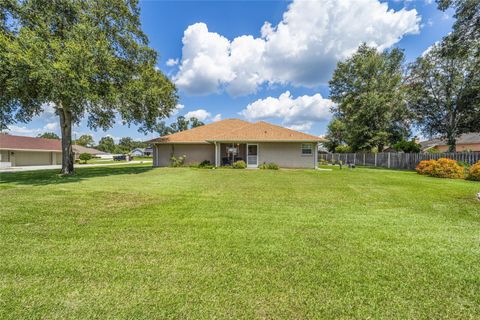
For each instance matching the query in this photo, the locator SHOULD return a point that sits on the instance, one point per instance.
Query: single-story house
(466, 142)
(78, 150)
(19, 151)
(142, 152)
(226, 141)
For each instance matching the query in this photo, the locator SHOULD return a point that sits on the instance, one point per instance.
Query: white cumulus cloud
(177, 109)
(217, 117)
(52, 126)
(172, 62)
(302, 49)
(296, 113)
(23, 130)
(200, 114)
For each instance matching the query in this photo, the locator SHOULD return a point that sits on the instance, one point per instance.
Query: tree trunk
(67, 151)
(452, 143)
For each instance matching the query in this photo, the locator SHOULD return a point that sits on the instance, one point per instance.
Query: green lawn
(135, 242)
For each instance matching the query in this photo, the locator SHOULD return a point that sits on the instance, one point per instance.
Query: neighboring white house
(142, 152)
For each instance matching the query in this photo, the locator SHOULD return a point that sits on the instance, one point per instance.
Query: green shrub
(343, 149)
(474, 172)
(407, 146)
(240, 164)
(464, 164)
(205, 164)
(268, 166)
(85, 157)
(432, 151)
(322, 162)
(177, 162)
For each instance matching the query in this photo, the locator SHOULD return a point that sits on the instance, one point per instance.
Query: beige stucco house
(466, 142)
(20, 151)
(230, 140)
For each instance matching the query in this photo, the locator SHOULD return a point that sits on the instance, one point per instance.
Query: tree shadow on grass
(47, 177)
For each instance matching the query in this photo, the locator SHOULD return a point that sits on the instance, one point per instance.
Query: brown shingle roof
(466, 138)
(264, 131)
(11, 142)
(236, 130)
(203, 133)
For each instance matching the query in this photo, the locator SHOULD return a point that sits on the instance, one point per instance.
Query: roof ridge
(267, 129)
(26, 137)
(203, 126)
(285, 128)
(233, 130)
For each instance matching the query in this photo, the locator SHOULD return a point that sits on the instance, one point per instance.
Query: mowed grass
(141, 243)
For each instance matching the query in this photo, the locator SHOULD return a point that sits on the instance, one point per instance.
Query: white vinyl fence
(396, 160)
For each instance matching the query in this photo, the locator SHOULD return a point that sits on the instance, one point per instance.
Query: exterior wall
(32, 158)
(285, 154)
(4, 156)
(29, 158)
(58, 157)
(461, 147)
(195, 153)
(5, 159)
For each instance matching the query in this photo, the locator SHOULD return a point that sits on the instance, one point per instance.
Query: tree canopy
(49, 135)
(181, 124)
(86, 58)
(127, 144)
(85, 140)
(466, 28)
(336, 134)
(444, 93)
(106, 144)
(368, 91)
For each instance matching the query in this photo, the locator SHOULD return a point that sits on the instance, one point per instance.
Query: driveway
(34, 168)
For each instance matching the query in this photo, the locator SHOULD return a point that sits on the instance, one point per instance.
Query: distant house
(19, 151)
(142, 152)
(466, 142)
(78, 150)
(226, 141)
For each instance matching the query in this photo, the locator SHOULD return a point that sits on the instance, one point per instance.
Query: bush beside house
(239, 165)
(268, 166)
(177, 162)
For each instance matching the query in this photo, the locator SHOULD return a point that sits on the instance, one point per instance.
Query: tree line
(380, 99)
(127, 144)
(105, 144)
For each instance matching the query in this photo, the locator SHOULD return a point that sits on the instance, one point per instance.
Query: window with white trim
(307, 149)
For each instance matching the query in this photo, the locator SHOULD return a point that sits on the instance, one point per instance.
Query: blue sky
(267, 60)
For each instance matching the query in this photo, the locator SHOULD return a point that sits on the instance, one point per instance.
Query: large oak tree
(444, 92)
(89, 58)
(368, 91)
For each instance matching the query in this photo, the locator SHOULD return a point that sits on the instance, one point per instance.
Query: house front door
(252, 155)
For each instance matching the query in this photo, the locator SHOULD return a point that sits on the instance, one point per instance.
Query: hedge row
(448, 168)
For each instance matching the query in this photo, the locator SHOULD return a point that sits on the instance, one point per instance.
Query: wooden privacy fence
(397, 160)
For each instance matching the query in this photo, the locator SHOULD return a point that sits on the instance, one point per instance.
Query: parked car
(120, 157)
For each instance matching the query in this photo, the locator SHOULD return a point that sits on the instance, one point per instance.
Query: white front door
(252, 155)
